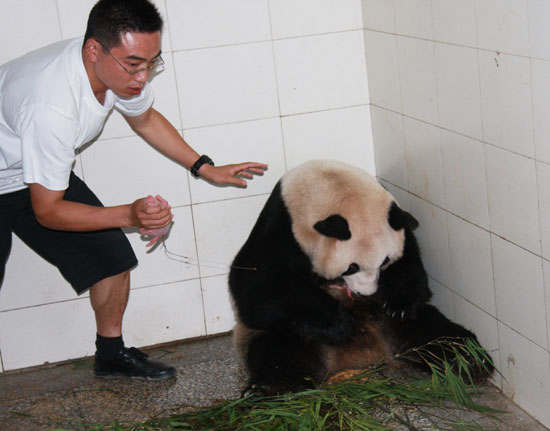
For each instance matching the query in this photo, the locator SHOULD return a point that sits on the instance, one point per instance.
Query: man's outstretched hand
(233, 174)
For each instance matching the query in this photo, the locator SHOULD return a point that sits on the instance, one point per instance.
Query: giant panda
(331, 278)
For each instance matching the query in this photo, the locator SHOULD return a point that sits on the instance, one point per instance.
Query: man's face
(135, 51)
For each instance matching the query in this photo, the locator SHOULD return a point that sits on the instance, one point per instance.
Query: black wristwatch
(200, 161)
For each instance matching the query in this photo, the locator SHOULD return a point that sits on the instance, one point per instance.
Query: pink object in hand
(157, 234)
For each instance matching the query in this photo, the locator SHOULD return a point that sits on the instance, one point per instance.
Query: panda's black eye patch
(352, 269)
(334, 226)
(386, 261)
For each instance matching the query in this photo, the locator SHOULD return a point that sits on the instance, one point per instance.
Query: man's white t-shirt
(47, 111)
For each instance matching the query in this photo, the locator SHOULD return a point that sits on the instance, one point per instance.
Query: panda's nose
(352, 269)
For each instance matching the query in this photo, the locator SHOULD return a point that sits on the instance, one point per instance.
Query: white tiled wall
(460, 95)
(276, 81)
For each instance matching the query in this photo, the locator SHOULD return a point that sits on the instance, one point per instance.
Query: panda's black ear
(399, 219)
(334, 226)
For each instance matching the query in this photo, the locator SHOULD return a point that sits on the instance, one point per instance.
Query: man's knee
(115, 286)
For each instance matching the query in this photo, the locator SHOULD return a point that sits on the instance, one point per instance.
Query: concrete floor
(68, 397)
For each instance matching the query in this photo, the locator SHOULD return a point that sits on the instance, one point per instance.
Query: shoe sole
(125, 376)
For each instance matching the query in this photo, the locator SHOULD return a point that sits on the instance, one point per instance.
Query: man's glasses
(157, 64)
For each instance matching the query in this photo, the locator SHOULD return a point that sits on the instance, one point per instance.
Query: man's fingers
(157, 234)
(154, 241)
(246, 174)
(256, 171)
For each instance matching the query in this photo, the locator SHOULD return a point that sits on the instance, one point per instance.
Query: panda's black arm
(403, 286)
(301, 309)
(336, 328)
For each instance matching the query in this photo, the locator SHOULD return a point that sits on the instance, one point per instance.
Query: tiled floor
(68, 396)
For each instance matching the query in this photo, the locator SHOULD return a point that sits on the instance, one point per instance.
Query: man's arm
(160, 134)
(55, 213)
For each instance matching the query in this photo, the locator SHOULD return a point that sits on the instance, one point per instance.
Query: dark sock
(108, 347)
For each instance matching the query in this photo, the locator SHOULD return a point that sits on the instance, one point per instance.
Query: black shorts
(83, 258)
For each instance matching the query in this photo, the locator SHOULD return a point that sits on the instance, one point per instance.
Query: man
(54, 100)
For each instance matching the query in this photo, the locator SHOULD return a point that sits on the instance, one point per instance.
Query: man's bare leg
(109, 298)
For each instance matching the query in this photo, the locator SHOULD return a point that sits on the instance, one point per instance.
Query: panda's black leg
(280, 363)
(429, 339)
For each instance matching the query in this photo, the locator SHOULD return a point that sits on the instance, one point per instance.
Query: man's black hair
(109, 19)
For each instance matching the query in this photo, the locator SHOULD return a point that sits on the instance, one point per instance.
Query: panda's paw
(257, 391)
(254, 391)
(397, 312)
(397, 306)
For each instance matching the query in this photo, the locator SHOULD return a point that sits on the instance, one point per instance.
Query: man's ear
(91, 48)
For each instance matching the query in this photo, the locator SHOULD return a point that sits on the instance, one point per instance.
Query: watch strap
(200, 161)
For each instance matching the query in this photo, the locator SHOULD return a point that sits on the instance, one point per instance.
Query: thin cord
(189, 261)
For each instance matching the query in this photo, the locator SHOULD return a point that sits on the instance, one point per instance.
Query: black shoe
(132, 363)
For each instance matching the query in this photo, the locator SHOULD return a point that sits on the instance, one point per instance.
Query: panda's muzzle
(363, 282)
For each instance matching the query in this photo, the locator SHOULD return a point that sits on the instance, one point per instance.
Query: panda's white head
(344, 221)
